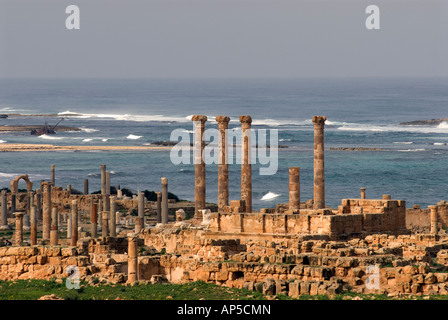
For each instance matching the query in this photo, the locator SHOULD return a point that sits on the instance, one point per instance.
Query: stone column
(159, 207)
(246, 167)
(69, 189)
(138, 224)
(319, 168)
(363, 193)
(434, 220)
(132, 258)
(105, 224)
(54, 237)
(141, 204)
(294, 189)
(4, 213)
(86, 186)
(103, 179)
(69, 229)
(46, 212)
(199, 164)
(106, 202)
(53, 179)
(33, 222)
(74, 222)
(113, 211)
(18, 235)
(107, 182)
(39, 204)
(223, 165)
(94, 220)
(164, 200)
(13, 203)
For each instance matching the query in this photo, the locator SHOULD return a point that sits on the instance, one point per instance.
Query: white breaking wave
(441, 128)
(412, 150)
(269, 196)
(439, 144)
(44, 136)
(89, 130)
(3, 141)
(443, 125)
(87, 140)
(404, 142)
(104, 140)
(284, 140)
(133, 137)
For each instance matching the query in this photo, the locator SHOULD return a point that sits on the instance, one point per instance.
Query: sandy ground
(16, 147)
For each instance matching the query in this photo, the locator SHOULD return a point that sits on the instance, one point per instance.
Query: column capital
(246, 119)
(164, 181)
(222, 120)
(432, 207)
(19, 214)
(198, 117)
(319, 120)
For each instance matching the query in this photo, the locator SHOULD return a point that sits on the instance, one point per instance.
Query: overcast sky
(223, 39)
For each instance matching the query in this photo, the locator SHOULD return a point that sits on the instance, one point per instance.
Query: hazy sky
(223, 38)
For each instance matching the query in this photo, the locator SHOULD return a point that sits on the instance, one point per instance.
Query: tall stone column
(199, 164)
(13, 203)
(363, 193)
(107, 182)
(94, 220)
(294, 189)
(46, 212)
(4, 213)
(74, 222)
(159, 207)
(105, 224)
(39, 204)
(33, 222)
(54, 237)
(132, 258)
(113, 211)
(434, 220)
(53, 178)
(69, 189)
(319, 168)
(223, 165)
(164, 200)
(86, 186)
(246, 166)
(19, 228)
(103, 186)
(141, 204)
(69, 229)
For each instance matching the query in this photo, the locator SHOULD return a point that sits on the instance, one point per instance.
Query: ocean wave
(439, 144)
(443, 125)
(412, 150)
(87, 140)
(47, 137)
(133, 137)
(282, 140)
(393, 128)
(403, 142)
(270, 196)
(89, 130)
(3, 141)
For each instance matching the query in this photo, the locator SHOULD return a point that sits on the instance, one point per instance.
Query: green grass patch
(34, 289)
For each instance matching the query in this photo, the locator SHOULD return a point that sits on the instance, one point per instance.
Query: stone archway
(15, 183)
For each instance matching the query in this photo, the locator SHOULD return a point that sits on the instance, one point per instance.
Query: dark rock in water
(357, 149)
(431, 122)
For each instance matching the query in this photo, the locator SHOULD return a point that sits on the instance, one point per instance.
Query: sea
(361, 112)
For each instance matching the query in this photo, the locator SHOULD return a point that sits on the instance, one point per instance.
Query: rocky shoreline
(431, 122)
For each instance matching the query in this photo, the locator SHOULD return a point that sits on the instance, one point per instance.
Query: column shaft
(246, 166)
(294, 189)
(223, 165)
(164, 200)
(319, 169)
(199, 164)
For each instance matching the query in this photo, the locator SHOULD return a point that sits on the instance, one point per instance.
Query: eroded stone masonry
(300, 247)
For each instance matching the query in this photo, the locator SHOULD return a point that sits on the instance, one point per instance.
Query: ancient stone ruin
(300, 247)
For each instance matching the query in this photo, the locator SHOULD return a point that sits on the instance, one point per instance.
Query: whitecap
(87, 140)
(104, 140)
(412, 150)
(89, 130)
(3, 141)
(403, 142)
(133, 137)
(44, 136)
(439, 144)
(269, 196)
